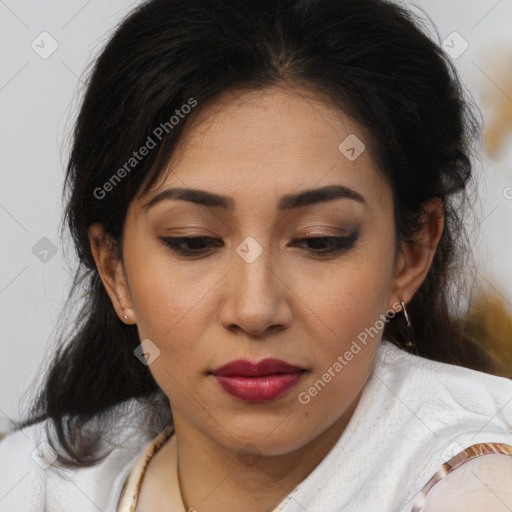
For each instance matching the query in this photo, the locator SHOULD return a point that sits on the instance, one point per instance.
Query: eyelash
(339, 244)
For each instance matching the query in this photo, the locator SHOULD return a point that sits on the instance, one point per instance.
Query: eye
(328, 244)
(190, 245)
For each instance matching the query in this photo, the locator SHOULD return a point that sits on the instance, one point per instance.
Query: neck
(214, 478)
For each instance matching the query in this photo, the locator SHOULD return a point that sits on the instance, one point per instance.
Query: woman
(264, 200)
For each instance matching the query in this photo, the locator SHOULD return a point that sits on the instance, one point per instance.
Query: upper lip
(245, 368)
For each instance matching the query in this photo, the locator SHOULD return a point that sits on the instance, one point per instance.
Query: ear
(110, 266)
(415, 257)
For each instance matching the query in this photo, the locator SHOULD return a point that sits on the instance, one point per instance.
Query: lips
(258, 382)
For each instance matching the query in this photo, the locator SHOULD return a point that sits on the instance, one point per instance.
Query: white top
(413, 416)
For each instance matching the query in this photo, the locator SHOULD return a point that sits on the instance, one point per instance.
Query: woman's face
(256, 289)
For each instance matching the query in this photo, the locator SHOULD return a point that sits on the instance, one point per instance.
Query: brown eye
(190, 245)
(328, 244)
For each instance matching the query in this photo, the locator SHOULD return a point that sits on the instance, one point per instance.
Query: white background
(38, 100)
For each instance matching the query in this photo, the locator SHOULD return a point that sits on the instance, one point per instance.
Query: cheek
(347, 296)
(171, 312)
(166, 295)
(170, 309)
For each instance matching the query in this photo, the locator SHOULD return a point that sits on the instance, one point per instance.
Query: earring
(125, 315)
(409, 343)
(405, 313)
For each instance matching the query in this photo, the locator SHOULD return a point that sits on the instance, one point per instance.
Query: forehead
(273, 141)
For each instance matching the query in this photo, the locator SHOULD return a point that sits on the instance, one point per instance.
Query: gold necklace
(186, 507)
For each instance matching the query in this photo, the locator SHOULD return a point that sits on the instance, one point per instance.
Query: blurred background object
(490, 322)
(490, 318)
(498, 101)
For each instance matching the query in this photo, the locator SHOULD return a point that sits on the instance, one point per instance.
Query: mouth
(258, 382)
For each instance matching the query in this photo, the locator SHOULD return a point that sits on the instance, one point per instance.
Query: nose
(257, 300)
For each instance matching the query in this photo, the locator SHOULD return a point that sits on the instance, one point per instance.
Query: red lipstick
(257, 382)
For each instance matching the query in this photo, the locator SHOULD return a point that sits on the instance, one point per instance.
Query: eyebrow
(287, 202)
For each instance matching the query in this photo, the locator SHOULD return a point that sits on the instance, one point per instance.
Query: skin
(290, 303)
(479, 485)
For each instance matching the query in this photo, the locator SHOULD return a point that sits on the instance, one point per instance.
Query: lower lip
(259, 389)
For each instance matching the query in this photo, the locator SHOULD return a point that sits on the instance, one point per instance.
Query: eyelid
(327, 229)
(322, 234)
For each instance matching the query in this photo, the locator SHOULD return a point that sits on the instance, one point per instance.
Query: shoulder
(479, 485)
(444, 385)
(22, 475)
(439, 412)
(30, 479)
(391, 355)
